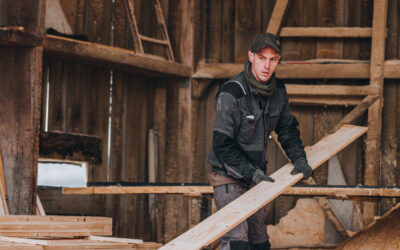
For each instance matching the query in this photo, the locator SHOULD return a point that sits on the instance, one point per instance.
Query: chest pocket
(248, 127)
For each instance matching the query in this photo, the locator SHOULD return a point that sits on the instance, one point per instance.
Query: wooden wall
(210, 31)
(20, 95)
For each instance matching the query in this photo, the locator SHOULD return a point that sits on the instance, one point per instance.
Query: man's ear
(251, 56)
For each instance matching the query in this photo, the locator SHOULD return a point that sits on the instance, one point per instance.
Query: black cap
(263, 40)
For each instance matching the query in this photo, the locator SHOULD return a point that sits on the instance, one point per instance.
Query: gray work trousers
(252, 230)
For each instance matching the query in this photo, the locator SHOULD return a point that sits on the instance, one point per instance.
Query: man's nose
(267, 64)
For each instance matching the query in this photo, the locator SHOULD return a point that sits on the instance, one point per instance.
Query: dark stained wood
(389, 147)
(245, 28)
(16, 36)
(57, 204)
(21, 97)
(227, 31)
(111, 57)
(215, 32)
(21, 70)
(70, 147)
(97, 18)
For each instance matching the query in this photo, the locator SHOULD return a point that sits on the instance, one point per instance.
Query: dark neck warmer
(262, 88)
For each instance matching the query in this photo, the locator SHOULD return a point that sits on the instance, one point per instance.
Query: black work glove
(259, 176)
(301, 166)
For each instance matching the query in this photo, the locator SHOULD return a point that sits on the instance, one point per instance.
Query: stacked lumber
(63, 232)
(58, 232)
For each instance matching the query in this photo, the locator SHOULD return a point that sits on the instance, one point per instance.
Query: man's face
(264, 63)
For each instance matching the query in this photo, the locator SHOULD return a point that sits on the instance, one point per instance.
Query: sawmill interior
(124, 91)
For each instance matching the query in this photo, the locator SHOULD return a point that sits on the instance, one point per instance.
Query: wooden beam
(290, 70)
(237, 211)
(17, 36)
(357, 111)
(63, 226)
(277, 16)
(329, 90)
(139, 190)
(113, 57)
(324, 100)
(21, 82)
(302, 70)
(74, 147)
(339, 192)
(373, 140)
(335, 32)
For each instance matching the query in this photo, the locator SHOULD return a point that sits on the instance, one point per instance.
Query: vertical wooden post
(373, 141)
(20, 95)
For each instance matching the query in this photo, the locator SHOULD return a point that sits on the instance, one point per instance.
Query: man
(248, 108)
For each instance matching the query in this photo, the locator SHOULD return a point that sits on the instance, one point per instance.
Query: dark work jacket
(242, 126)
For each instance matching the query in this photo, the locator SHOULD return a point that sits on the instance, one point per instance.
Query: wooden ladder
(139, 38)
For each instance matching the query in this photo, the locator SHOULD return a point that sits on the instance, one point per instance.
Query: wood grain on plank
(234, 213)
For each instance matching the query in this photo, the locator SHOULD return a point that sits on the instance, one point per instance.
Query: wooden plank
(23, 240)
(288, 70)
(16, 36)
(42, 226)
(214, 31)
(75, 147)
(20, 112)
(389, 113)
(373, 140)
(277, 16)
(245, 29)
(3, 191)
(114, 239)
(116, 58)
(260, 195)
(39, 207)
(349, 32)
(357, 111)
(334, 191)
(340, 90)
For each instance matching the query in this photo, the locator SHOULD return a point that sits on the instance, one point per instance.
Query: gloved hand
(301, 166)
(259, 176)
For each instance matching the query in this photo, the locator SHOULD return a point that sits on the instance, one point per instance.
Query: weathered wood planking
(21, 71)
(335, 32)
(260, 195)
(390, 111)
(112, 57)
(277, 16)
(373, 140)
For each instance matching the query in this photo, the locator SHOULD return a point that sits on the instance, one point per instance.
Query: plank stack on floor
(58, 232)
(63, 232)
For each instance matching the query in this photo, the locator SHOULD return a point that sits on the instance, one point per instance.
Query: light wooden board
(41, 226)
(326, 32)
(3, 191)
(373, 140)
(234, 213)
(277, 16)
(339, 192)
(301, 70)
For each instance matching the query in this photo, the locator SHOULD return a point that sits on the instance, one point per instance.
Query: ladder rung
(153, 40)
(325, 32)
